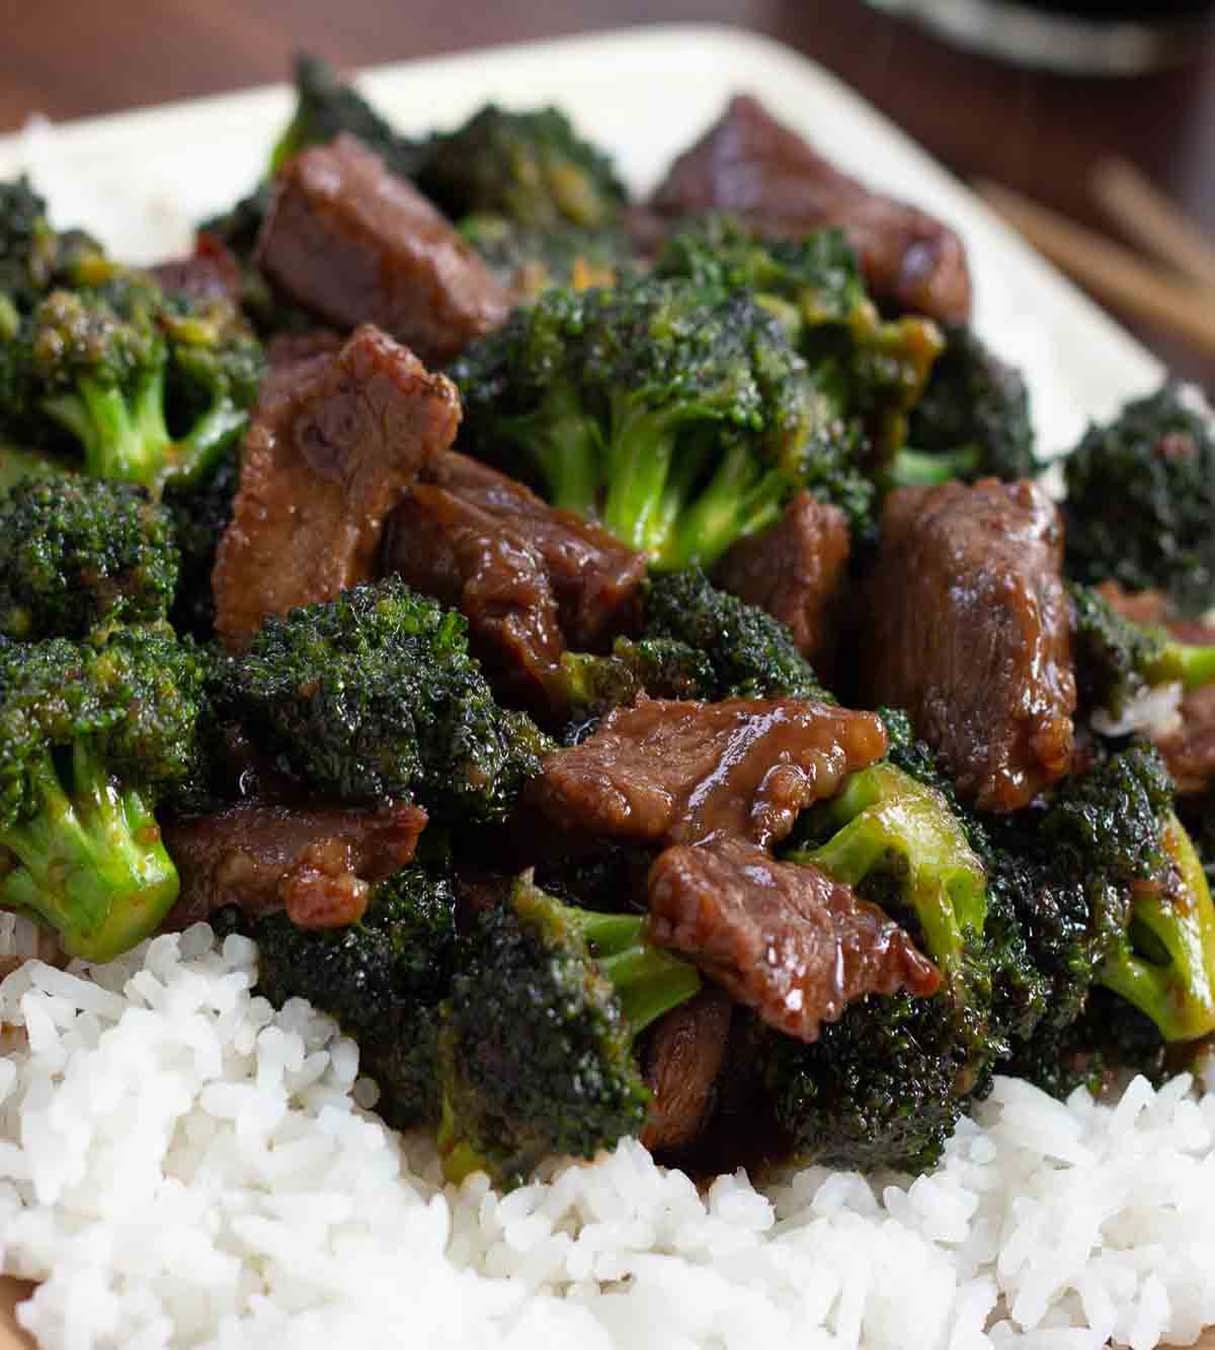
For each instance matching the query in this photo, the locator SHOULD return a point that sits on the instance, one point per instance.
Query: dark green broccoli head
(1140, 501)
(537, 1042)
(529, 167)
(135, 385)
(381, 978)
(76, 553)
(90, 737)
(681, 418)
(659, 667)
(1106, 890)
(326, 108)
(200, 514)
(973, 420)
(878, 1089)
(374, 695)
(33, 256)
(751, 654)
(529, 260)
(871, 370)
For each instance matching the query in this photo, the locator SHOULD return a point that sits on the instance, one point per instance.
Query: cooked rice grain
(181, 1165)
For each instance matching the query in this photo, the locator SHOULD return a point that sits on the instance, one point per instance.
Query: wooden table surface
(1035, 132)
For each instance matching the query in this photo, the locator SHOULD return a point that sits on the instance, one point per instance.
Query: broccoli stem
(1165, 964)
(893, 824)
(641, 446)
(127, 438)
(1192, 664)
(647, 980)
(925, 468)
(734, 504)
(565, 446)
(91, 861)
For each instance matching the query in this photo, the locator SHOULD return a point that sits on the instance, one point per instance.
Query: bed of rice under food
(182, 1165)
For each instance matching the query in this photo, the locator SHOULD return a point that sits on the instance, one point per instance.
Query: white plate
(139, 179)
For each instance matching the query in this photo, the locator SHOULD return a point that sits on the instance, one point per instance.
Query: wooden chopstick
(1109, 270)
(1150, 218)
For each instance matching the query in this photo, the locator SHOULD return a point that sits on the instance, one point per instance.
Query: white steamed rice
(181, 1165)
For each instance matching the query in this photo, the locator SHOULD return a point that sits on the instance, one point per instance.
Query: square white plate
(139, 179)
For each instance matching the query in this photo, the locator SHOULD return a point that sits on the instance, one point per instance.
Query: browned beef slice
(473, 561)
(794, 569)
(782, 938)
(333, 444)
(1189, 749)
(682, 1061)
(666, 772)
(596, 580)
(354, 244)
(967, 628)
(317, 862)
(285, 350)
(1153, 609)
(751, 166)
(209, 273)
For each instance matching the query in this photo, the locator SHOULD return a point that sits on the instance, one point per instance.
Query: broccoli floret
(1105, 887)
(528, 260)
(696, 642)
(885, 1085)
(381, 978)
(1140, 501)
(374, 695)
(77, 553)
(752, 655)
(872, 370)
(326, 107)
(1117, 661)
(680, 417)
(140, 386)
(536, 1047)
(530, 167)
(33, 256)
(90, 737)
(972, 422)
(200, 515)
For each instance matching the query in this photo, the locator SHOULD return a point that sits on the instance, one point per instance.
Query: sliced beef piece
(782, 938)
(967, 629)
(477, 563)
(353, 243)
(795, 570)
(334, 442)
(595, 578)
(529, 579)
(677, 772)
(751, 166)
(683, 1059)
(319, 863)
(1189, 749)
(1154, 609)
(209, 273)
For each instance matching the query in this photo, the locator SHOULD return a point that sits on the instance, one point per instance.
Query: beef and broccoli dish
(624, 660)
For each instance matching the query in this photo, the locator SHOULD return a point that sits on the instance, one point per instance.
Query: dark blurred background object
(1038, 132)
(1099, 37)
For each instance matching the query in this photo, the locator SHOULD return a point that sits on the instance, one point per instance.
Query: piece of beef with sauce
(665, 771)
(530, 580)
(795, 570)
(351, 242)
(317, 862)
(472, 561)
(335, 440)
(967, 628)
(596, 579)
(782, 938)
(754, 168)
(683, 1060)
